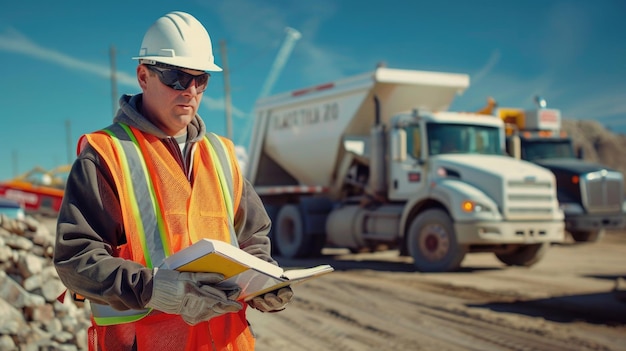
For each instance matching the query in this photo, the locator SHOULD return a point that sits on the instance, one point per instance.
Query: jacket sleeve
(89, 230)
(253, 224)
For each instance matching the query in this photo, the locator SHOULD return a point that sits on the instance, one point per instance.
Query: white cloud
(493, 60)
(218, 104)
(14, 41)
(262, 26)
(600, 108)
(508, 90)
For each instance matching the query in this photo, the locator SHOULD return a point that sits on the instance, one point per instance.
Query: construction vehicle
(39, 191)
(361, 163)
(591, 195)
(11, 209)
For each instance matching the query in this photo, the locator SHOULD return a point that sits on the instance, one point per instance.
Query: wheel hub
(435, 242)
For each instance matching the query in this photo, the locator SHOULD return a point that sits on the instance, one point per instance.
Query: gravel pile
(33, 319)
(598, 143)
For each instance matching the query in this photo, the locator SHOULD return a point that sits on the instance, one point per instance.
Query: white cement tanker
(376, 160)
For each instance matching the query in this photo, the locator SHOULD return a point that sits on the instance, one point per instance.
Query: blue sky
(56, 62)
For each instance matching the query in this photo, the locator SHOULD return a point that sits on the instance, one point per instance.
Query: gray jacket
(90, 225)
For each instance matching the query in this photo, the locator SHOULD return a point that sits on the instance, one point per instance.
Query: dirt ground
(376, 301)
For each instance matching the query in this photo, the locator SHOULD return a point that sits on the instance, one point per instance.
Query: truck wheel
(432, 242)
(289, 234)
(524, 255)
(587, 236)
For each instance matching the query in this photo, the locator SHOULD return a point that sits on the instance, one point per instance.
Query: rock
(5, 252)
(29, 264)
(43, 313)
(52, 288)
(17, 242)
(11, 292)
(7, 343)
(12, 319)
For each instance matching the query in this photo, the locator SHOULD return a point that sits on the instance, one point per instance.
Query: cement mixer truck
(376, 161)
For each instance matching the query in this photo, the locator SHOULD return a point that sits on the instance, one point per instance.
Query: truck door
(406, 173)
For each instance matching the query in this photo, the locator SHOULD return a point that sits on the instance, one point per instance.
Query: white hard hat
(178, 39)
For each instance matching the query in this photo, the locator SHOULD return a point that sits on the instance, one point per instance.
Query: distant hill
(598, 143)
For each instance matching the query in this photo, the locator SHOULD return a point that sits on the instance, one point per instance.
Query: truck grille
(529, 200)
(602, 191)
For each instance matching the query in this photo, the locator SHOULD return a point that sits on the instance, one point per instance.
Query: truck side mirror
(398, 145)
(580, 152)
(514, 146)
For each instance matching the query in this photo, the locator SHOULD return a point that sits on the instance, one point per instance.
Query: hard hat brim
(183, 63)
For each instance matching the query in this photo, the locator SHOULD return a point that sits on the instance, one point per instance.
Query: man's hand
(191, 295)
(272, 301)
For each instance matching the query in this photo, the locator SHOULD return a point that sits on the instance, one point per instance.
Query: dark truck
(591, 195)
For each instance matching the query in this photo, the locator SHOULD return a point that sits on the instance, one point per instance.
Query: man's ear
(142, 76)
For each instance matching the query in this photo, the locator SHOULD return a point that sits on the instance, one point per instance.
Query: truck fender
(422, 201)
(449, 194)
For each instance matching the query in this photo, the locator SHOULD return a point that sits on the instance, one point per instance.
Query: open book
(253, 275)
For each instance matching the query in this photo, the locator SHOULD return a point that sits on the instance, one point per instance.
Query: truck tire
(590, 236)
(524, 255)
(289, 236)
(433, 244)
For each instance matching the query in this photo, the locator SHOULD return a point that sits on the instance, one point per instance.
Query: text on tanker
(307, 116)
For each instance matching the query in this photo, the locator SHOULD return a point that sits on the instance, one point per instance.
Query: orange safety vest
(164, 213)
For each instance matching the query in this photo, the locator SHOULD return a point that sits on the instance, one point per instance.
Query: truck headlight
(571, 208)
(470, 206)
(443, 172)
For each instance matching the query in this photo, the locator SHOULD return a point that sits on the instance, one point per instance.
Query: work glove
(272, 301)
(191, 295)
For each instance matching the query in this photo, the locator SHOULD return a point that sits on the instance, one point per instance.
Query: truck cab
(591, 195)
(455, 164)
(423, 136)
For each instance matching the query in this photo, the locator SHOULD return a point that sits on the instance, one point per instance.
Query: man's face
(169, 109)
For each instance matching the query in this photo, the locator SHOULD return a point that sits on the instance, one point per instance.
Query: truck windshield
(463, 139)
(537, 149)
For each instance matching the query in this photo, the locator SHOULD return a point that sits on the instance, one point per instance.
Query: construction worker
(149, 185)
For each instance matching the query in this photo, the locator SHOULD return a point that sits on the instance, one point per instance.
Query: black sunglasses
(180, 80)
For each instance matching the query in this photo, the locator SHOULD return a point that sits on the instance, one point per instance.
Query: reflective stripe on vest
(146, 211)
(226, 182)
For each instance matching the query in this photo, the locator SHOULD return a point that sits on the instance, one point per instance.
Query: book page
(306, 273)
(253, 283)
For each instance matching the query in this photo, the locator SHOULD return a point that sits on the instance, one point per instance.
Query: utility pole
(68, 134)
(112, 54)
(227, 97)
